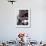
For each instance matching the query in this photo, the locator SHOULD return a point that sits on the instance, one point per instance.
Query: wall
(8, 13)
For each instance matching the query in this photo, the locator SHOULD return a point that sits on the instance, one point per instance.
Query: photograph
(23, 18)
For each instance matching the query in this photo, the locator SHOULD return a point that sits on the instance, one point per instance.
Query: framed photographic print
(23, 18)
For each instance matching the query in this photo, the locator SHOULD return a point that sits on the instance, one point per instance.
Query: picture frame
(24, 14)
